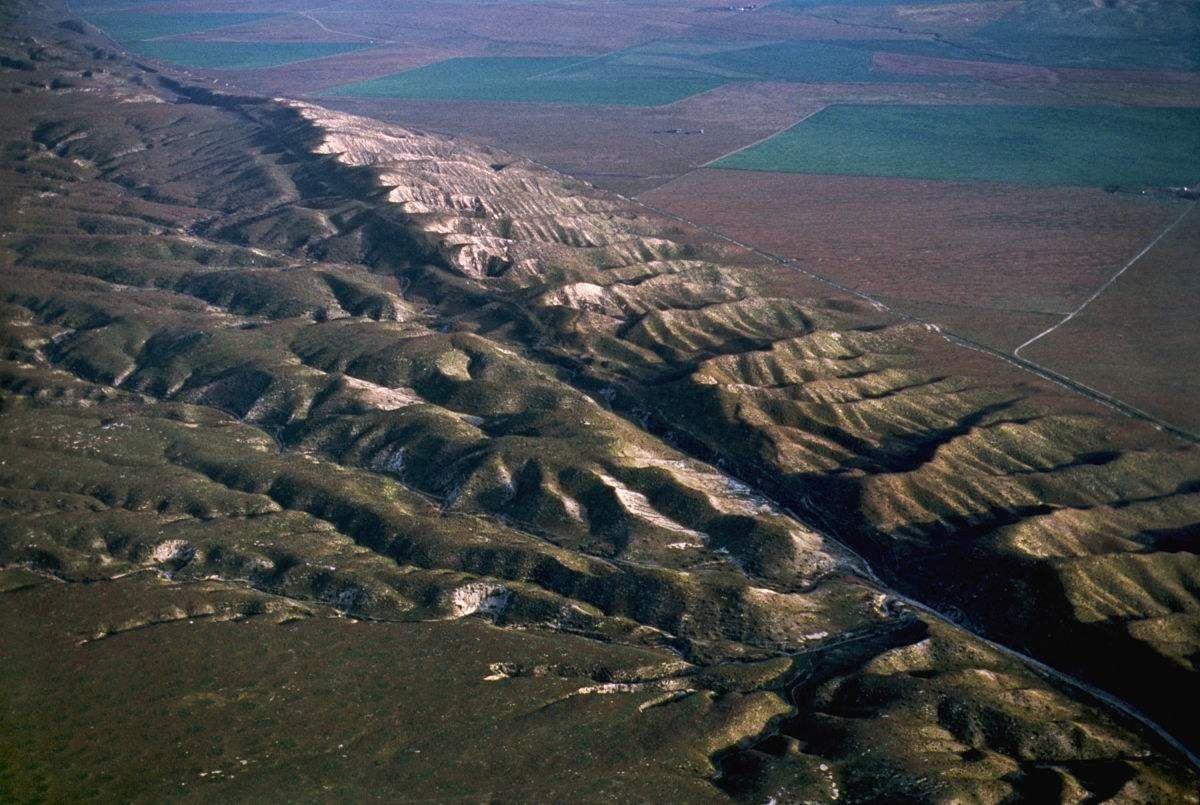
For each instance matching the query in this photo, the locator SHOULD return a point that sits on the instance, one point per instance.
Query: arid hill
(349, 436)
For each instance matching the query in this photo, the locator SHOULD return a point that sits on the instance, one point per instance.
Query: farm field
(626, 149)
(1153, 35)
(136, 26)
(544, 80)
(654, 75)
(814, 62)
(1041, 145)
(158, 35)
(239, 55)
(996, 263)
(1161, 34)
(1139, 340)
(635, 149)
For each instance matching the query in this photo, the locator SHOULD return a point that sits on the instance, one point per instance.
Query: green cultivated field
(651, 75)
(538, 80)
(1038, 145)
(1158, 35)
(133, 26)
(1149, 35)
(152, 36)
(239, 55)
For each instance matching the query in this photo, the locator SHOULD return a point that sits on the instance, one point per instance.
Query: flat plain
(1137, 340)
(136, 26)
(1029, 145)
(153, 33)
(533, 79)
(239, 55)
(995, 262)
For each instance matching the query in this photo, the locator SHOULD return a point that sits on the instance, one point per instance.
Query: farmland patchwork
(535, 79)
(156, 35)
(1038, 145)
(651, 75)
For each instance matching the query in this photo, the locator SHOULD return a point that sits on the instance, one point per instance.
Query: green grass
(1038, 145)
(133, 26)
(239, 55)
(537, 80)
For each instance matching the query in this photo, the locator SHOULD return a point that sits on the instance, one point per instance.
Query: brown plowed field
(994, 262)
(1139, 340)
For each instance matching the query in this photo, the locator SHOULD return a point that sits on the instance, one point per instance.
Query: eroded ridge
(299, 363)
(962, 481)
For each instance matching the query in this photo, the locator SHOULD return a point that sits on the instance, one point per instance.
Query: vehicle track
(1109, 282)
(308, 15)
(742, 148)
(1045, 373)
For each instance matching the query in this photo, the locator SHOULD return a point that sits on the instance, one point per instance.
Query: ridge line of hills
(387, 375)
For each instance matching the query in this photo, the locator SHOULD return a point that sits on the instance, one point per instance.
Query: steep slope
(265, 363)
(1041, 519)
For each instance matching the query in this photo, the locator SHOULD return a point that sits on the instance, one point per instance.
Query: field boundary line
(591, 59)
(166, 37)
(673, 179)
(759, 141)
(308, 15)
(1109, 282)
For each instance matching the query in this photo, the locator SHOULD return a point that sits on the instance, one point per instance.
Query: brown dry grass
(1139, 340)
(992, 261)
